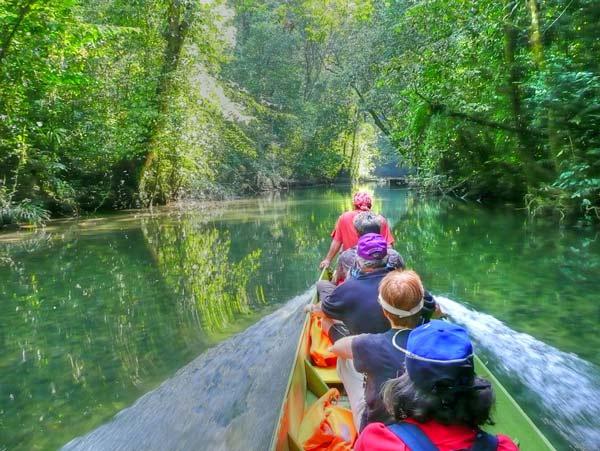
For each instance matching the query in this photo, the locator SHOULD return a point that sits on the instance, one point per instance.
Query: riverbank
(10, 215)
(427, 187)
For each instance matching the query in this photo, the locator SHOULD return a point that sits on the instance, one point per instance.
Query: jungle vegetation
(113, 104)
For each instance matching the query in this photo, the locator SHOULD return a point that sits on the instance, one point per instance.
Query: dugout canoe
(307, 383)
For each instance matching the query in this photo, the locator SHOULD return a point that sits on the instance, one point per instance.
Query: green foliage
(76, 96)
(119, 104)
(22, 212)
(501, 98)
(268, 114)
(280, 59)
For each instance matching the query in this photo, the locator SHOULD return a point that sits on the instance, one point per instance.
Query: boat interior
(308, 383)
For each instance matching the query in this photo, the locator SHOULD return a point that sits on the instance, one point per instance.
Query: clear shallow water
(94, 315)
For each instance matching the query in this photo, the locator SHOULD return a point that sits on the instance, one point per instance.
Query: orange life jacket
(320, 344)
(326, 426)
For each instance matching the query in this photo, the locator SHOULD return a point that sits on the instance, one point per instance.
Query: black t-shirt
(376, 357)
(355, 304)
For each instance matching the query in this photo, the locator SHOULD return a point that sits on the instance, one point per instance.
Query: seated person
(354, 303)
(365, 222)
(354, 307)
(377, 355)
(438, 399)
(344, 235)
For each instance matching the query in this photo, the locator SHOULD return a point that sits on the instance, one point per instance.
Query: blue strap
(412, 436)
(485, 442)
(416, 440)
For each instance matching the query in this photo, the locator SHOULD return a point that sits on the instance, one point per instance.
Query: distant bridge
(393, 172)
(392, 181)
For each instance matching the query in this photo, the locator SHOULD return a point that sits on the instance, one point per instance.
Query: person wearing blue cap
(401, 297)
(438, 403)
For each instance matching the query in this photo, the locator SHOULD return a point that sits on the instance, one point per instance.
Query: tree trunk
(513, 79)
(313, 65)
(179, 16)
(353, 152)
(537, 51)
(536, 36)
(514, 91)
(24, 10)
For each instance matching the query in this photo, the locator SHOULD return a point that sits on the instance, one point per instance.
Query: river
(97, 313)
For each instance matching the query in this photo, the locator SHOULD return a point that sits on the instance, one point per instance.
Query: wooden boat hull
(307, 383)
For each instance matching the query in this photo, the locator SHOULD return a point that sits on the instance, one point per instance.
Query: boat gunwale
(314, 300)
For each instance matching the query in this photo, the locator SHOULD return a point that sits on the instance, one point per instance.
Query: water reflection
(95, 314)
(195, 264)
(79, 334)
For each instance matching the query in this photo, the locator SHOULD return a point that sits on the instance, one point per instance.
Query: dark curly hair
(469, 406)
(367, 222)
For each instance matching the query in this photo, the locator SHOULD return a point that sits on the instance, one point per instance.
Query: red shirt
(346, 233)
(377, 437)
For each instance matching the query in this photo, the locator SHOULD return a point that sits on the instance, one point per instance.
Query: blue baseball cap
(439, 352)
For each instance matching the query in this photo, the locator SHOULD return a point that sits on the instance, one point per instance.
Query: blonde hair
(403, 290)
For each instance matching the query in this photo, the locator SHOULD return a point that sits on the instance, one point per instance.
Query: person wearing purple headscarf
(354, 303)
(353, 309)
(364, 222)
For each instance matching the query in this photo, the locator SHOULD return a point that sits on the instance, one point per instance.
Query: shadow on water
(228, 398)
(565, 385)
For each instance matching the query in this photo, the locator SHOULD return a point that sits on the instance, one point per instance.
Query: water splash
(226, 399)
(566, 386)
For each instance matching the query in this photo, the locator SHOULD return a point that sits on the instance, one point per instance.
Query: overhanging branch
(372, 112)
(439, 108)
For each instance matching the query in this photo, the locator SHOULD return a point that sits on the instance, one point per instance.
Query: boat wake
(226, 399)
(567, 386)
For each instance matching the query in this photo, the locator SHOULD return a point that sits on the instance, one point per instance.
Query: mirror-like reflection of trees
(91, 319)
(85, 328)
(539, 279)
(89, 323)
(195, 263)
(93, 316)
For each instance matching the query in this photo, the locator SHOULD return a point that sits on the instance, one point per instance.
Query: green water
(95, 314)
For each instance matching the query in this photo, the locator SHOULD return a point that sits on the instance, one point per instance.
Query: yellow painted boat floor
(309, 399)
(332, 380)
(328, 375)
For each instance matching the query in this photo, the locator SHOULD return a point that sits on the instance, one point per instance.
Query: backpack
(416, 440)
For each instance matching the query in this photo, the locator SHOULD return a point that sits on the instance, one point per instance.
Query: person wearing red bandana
(344, 235)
